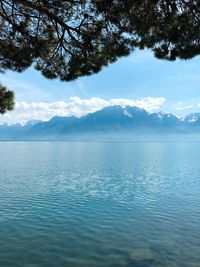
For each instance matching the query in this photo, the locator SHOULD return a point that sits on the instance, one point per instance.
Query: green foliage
(170, 28)
(73, 38)
(6, 99)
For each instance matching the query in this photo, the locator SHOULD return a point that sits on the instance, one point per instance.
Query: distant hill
(113, 121)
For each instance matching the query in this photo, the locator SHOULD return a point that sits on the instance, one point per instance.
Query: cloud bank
(74, 106)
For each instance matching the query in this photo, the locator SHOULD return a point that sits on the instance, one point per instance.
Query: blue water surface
(99, 204)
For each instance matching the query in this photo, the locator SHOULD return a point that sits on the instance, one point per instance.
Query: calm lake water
(99, 204)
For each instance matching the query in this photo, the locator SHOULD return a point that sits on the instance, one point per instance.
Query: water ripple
(94, 205)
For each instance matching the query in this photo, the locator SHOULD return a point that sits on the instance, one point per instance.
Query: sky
(137, 80)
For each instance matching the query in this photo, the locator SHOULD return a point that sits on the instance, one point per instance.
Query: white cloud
(181, 106)
(74, 106)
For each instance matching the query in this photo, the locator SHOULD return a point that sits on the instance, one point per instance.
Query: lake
(99, 204)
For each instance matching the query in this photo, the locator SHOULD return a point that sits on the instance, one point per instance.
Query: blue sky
(139, 79)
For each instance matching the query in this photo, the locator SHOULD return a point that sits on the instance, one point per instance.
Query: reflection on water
(99, 204)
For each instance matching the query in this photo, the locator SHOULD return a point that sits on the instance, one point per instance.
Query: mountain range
(111, 121)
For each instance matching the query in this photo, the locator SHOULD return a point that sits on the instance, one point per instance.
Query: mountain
(113, 121)
(192, 117)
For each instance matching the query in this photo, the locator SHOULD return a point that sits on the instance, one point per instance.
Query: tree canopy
(73, 38)
(6, 99)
